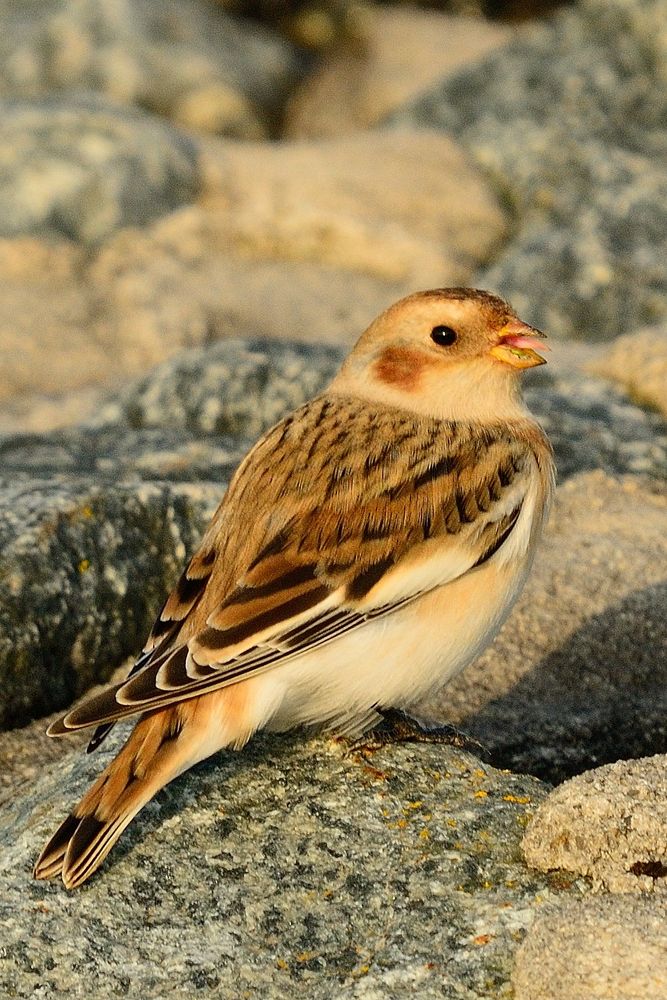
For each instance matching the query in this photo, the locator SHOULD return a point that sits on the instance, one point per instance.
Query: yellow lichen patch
(281, 964)
(481, 794)
(361, 970)
(400, 824)
(84, 566)
(482, 939)
(521, 799)
(424, 834)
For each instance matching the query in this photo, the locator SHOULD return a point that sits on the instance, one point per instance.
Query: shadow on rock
(600, 697)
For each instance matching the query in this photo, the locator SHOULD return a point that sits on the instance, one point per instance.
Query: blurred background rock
(173, 173)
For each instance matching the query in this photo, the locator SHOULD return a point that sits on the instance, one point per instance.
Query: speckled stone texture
(286, 869)
(191, 419)
(569, 121)
(609, 824)
(638, 363)
(83, 570)
(84, 167)
(604, 948)
(238, 387)
(189, 62)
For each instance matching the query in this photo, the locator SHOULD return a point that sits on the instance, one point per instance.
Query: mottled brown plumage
(417, 475)
(415, 481)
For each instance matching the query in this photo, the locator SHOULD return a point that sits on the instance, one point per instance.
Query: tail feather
(50, 862)
(159, 748)
(90, 845)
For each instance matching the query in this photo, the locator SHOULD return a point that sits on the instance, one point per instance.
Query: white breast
(397, 660)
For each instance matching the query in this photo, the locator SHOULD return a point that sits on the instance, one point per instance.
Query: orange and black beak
(518, 344)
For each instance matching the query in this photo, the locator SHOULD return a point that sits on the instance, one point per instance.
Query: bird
(368, 547)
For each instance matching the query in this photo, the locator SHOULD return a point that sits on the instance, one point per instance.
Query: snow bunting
(369, 546)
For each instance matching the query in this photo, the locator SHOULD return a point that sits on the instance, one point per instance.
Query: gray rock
(191, 62)
(569, 121)
(600, 948)
(85, 167)
(117, 451)
(234, 387)
(593, 425)
(609, 824)
(83, 572)
(286, 868)
(638, 362)
(197, 51)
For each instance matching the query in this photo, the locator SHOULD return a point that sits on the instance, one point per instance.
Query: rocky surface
(201, 67)
(567, 119)
(393, 56)
(82, 570)
(44, 312)
(638, 362)
(598, 949)
(593, 426)
(238, 388)
(84, 167)
(307, 241)
(286, 867)
(609, 824)
(139, 231)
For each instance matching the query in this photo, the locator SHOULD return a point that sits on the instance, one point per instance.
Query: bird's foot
(398, 727)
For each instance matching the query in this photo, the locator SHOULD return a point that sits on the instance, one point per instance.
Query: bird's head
(452, 352)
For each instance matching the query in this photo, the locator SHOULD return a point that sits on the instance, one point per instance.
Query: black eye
(443, 336)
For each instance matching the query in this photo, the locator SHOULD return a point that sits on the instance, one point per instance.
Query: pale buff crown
(396, 361)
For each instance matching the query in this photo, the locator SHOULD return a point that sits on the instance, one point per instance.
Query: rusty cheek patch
(400, 367)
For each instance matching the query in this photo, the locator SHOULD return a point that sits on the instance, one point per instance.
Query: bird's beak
(518, 344)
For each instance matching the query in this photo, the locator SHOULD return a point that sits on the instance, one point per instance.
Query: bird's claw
(397, 727)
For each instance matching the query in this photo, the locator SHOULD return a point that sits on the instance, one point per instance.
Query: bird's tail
(162, 745)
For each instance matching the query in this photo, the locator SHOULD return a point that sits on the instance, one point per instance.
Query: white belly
(396, 660)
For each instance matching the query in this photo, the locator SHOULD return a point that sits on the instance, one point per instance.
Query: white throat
(480, 391)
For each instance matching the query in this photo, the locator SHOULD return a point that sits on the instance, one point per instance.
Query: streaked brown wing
(320, 512)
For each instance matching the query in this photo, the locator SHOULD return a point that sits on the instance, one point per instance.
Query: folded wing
(338, 515)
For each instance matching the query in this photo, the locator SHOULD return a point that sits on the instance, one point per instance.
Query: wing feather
(389, 505)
